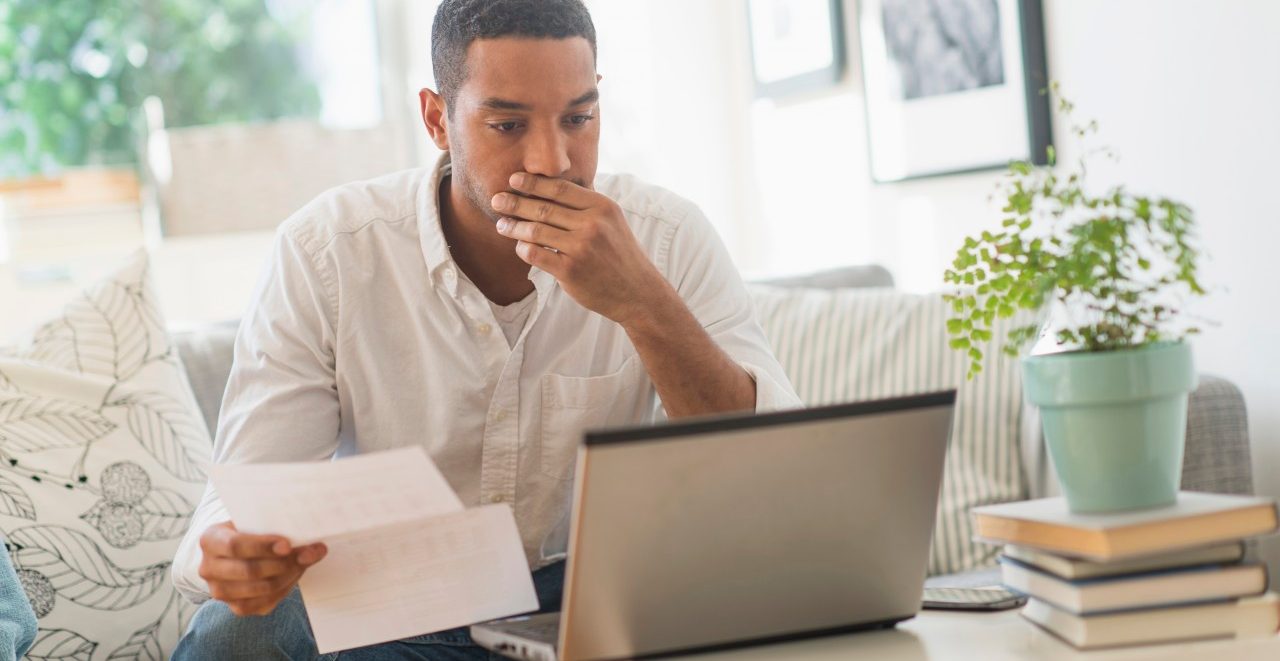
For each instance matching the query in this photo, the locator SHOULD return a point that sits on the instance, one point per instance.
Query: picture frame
(959, 90)
(796, 45)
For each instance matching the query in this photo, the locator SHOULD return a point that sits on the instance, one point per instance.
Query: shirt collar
(435, 252)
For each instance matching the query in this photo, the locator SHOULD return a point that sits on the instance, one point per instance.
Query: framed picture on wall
(953, 85)
(796, 45)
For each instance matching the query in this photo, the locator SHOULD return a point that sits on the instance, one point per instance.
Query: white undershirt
(512, 318)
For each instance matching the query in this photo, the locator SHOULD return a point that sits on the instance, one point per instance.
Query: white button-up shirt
(363, 335)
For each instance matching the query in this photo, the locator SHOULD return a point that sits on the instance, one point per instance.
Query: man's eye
(505, 127)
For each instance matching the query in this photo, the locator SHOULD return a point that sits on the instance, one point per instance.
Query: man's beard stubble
(480, 199)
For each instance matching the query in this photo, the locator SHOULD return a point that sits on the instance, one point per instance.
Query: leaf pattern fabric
(169, 432)
(103, 456)
(161, 514)
(148, 643)
(14, 501)
(78, 569)
(55, 346)
(61, 644)
(32, 424)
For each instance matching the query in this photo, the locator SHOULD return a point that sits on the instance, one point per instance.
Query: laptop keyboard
(540, 629)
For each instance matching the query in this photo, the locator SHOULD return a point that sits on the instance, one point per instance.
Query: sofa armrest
(1215, 457)
(867, 275)
(206, 355)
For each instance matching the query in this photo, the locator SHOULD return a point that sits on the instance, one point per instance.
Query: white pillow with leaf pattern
(103, 456)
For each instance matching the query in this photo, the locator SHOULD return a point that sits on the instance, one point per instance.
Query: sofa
(1216, 458)
(107, 415)
(1217, 454)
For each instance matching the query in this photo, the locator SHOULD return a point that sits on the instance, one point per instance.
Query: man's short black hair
(460, 22)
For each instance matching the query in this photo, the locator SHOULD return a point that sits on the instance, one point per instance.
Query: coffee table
(947, 635)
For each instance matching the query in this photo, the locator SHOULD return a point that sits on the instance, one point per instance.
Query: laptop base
(533, 637)
(527, 637)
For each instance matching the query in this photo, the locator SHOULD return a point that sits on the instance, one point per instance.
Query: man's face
(527, 105)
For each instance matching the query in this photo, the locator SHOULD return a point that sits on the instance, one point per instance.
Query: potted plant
(1106, 275)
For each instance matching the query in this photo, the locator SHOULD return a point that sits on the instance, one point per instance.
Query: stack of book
(1149, 576)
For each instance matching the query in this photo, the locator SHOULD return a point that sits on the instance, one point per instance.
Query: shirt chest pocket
(574, 404)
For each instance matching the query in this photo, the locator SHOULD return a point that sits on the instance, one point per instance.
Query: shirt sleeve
(281, 402)
(700, 269)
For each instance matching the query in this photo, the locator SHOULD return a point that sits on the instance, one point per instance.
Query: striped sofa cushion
(843, 345)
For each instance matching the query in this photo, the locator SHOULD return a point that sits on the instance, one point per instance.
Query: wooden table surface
(999, 636)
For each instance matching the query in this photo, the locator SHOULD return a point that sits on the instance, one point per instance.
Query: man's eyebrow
(593, 95)
(495, 103)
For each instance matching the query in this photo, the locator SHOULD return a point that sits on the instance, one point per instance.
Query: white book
(1245, 618)
(1180, 586)
(1074, 568)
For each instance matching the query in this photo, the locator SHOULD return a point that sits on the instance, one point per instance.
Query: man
(489, 309)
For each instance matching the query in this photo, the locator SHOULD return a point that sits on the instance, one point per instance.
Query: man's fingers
(230, 591)
(542, 211)
(537, 233)
(562, 191)
(264, 605)
(310, 555)
(240, 585)
(258, 605)
(226, 541)
(548, 260)
(259, 546)
(233, 569)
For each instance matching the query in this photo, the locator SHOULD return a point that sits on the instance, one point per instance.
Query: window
(78, 71)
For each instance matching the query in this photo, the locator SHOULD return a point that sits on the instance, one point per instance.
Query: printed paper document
(405, 558)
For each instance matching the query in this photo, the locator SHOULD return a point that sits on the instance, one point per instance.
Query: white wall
(1188, 93)
(671, 106)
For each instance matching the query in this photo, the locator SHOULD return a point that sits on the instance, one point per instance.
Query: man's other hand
(252, 573)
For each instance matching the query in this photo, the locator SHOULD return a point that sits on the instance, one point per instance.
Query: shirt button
(496, 498)
(484, 329)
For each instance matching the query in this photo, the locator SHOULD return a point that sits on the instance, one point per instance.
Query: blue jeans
(218, 634)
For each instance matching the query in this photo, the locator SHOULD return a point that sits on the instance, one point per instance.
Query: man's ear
(435, 117)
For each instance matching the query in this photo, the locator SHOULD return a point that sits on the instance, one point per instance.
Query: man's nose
(546, 153)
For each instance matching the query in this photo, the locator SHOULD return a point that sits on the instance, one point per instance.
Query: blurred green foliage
(74, 73)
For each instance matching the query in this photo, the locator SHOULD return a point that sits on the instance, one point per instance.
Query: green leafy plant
(1114, 266)
(76, 71)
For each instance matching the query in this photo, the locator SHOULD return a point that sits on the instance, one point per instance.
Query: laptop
(743, 529)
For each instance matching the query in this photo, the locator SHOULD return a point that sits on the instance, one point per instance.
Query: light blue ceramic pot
(1115, 422)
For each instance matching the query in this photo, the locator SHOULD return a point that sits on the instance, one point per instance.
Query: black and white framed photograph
(953, 85)
(796, 45)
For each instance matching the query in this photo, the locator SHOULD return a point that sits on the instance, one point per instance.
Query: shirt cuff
(185, 572)
(770, 394)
